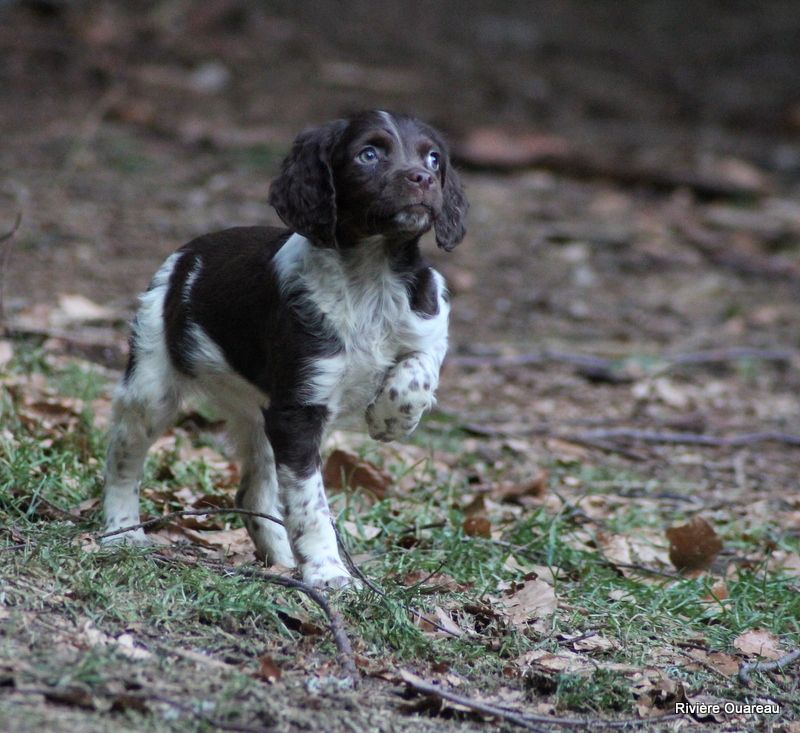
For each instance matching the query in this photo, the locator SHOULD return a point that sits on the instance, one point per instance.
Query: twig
(187, 513)
(647, 436)
(340, 638)
(522, 719)
(6, 240)
(716, 248)
(583, 166)
(335, 622)
(586, 361)
(355, 570)
(427, 688)
(56, 695)
(603, 445)
(746, 668)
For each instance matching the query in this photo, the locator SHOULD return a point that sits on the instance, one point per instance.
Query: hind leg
(145, 404)
(258, 490)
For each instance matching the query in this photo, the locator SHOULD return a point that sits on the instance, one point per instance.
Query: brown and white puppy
(335, 322)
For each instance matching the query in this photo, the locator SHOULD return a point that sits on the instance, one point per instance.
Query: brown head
(373, 174)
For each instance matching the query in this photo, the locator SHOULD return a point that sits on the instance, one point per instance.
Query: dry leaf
(345, 469)
(268, 670)
(433, 583)
(534, 599)
(79, 309)
(477, 526)
(785, 562)
(655, 700)
(760, 642)
(442, 621)
(231, 541)
(724, 663)
(363, 531)
(693, 546)
(554, 662)
(535, 487)
(6, 352)
(718, 592)
(495, 147)
(634, 549)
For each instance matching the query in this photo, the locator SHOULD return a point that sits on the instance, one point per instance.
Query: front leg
(406, 393)
(296, 434)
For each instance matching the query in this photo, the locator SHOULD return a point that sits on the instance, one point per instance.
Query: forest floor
(600, 520)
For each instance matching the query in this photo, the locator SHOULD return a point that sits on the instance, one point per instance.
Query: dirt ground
(124, 133)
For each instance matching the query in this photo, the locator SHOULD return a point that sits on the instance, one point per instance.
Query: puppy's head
(372, 174)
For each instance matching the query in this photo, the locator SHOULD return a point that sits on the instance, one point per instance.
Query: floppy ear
(303, 194)
(449, 225)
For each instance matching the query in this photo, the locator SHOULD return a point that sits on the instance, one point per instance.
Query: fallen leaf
(659, 698)
(477, 526)
(563, 661)
(363, 531)
(693, 546)
(345, 469)
(593, 643)
(494, 147)
(513, 491)
(268, 670)
(760, 642)
(633, 549)
(433, 583)
(444, 625)
(73, 308)
(704, 708)
(718, 592)
(6, 352)
(233, 541)
(534, 599)
(723, 663)
(785, 562)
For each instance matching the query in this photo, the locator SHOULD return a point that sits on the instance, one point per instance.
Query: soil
(127, 132)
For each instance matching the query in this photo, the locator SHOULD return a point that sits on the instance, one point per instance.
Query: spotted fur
(337, 322)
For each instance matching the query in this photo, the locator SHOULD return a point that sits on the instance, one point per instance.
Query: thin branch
(586, 361)
(517, 717)
(356, 571)
(6, 240)
(335, 621)
(187, 513)
(675, 438)
(54, 694)
(784, 661)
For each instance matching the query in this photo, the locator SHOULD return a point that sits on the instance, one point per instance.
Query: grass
(50, 588)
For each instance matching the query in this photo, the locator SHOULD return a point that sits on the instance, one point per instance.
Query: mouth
(416, 217)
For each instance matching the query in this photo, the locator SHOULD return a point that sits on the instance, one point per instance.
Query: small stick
(5, 255)
(648, 436)
(784, 661)
(379, 591)
(56, 695)
(711, 356)
(335, 620)
(523, 720)
(187, 513)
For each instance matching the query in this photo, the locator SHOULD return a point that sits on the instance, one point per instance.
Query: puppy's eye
(432, 160)
(368, 155)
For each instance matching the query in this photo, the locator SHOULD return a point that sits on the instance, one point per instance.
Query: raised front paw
(404, 396)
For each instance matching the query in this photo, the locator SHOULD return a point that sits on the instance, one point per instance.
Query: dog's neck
(399, 255)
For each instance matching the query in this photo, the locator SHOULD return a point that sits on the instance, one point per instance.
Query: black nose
(420, 177)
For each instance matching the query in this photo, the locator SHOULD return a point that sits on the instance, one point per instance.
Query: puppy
(335, 322)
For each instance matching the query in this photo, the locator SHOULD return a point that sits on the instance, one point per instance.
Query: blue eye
(432, 160)
(368, 155)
